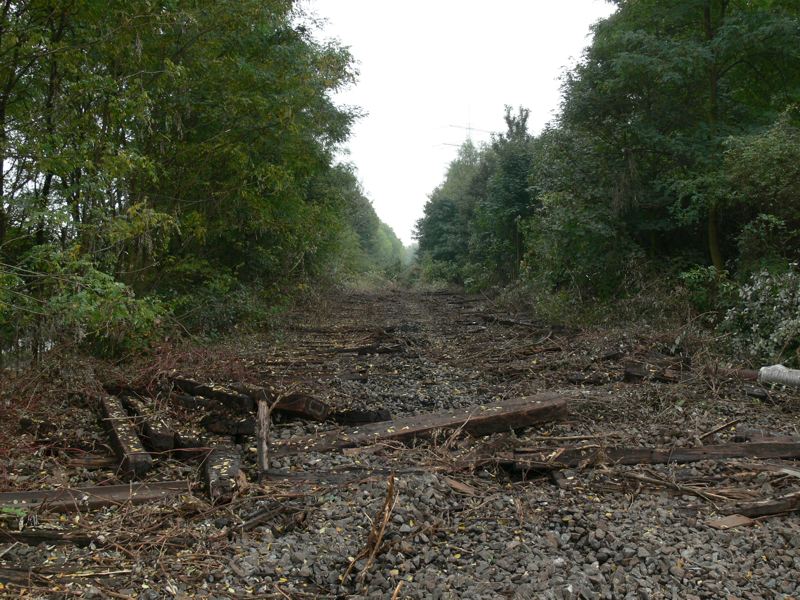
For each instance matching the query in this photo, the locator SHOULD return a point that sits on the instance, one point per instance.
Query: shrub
(764, 324)
(576, 246)
(220, 303)
(55, 297)
(708, 290)
(762, 243)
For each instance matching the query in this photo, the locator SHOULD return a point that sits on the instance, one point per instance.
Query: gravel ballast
(459, 527)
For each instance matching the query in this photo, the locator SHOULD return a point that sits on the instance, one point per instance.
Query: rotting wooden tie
(156, 431)
(76, 499)
(477, 420)
(134, 459)
(229, 398)
(220, 471)
(557, 458)
(243, 398)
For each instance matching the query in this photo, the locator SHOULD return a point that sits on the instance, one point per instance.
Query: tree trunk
(713, 114)
(3, 138)
(713, 238)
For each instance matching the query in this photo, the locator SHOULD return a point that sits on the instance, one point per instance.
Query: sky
(431, 69)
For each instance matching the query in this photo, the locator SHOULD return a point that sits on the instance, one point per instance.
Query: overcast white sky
(426, 65)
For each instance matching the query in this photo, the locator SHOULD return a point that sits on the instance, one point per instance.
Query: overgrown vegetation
(675, 158)
(169, 162)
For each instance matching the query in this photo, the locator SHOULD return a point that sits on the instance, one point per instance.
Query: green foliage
(709, 291)
(677, 147)
(764, 323)
(432, 271)
(223, 303)
(664, 85)
(445, 229)
(764, 168)
(763, 242)
(496, 241)
(174, 155)
(101, 314)
(576, 247)
(58, 297)
(763, 184)
(363, 243)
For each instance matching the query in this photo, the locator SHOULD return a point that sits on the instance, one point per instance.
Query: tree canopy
(673, 158)
(163, 157)
(658, 119)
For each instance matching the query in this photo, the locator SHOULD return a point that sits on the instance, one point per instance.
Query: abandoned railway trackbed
(403, 444)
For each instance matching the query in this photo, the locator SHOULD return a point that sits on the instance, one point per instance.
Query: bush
(438, 271)
(103, 315)
(220, 303)
(57, 297)
(708, 290)
(764, 324)
(762, 243)
(575, 246)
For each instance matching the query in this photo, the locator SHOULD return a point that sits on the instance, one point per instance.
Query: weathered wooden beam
(242, 398)
(302, 405)
(196, 402)
(724, 372)
(220, 472)
(764, 508)
(74, 499)
(594, 378)
(157, 430)
(134, 459)
(34, 537)
(635, 372)
(477, 420)
(230, 398)
(263, 423)
(558, 458)
(227, 424)
(297, 404)
(192, 442)
(358, 417)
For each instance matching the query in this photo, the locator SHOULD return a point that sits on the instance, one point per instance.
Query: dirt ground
(444, 517)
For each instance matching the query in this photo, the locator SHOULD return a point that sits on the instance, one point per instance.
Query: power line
(469, 128)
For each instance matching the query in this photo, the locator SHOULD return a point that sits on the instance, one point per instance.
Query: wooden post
(262, 441)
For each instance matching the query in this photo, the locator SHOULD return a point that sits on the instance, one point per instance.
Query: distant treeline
(170, 162)
(675, 157)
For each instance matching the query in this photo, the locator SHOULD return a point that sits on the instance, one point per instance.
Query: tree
(662, 87)
(508, 200)
(445, 228)
(178, 150)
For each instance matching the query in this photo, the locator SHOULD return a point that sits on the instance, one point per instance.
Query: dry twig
(376, 533)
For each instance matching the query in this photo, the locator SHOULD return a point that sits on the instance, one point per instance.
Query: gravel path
(456, 530)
